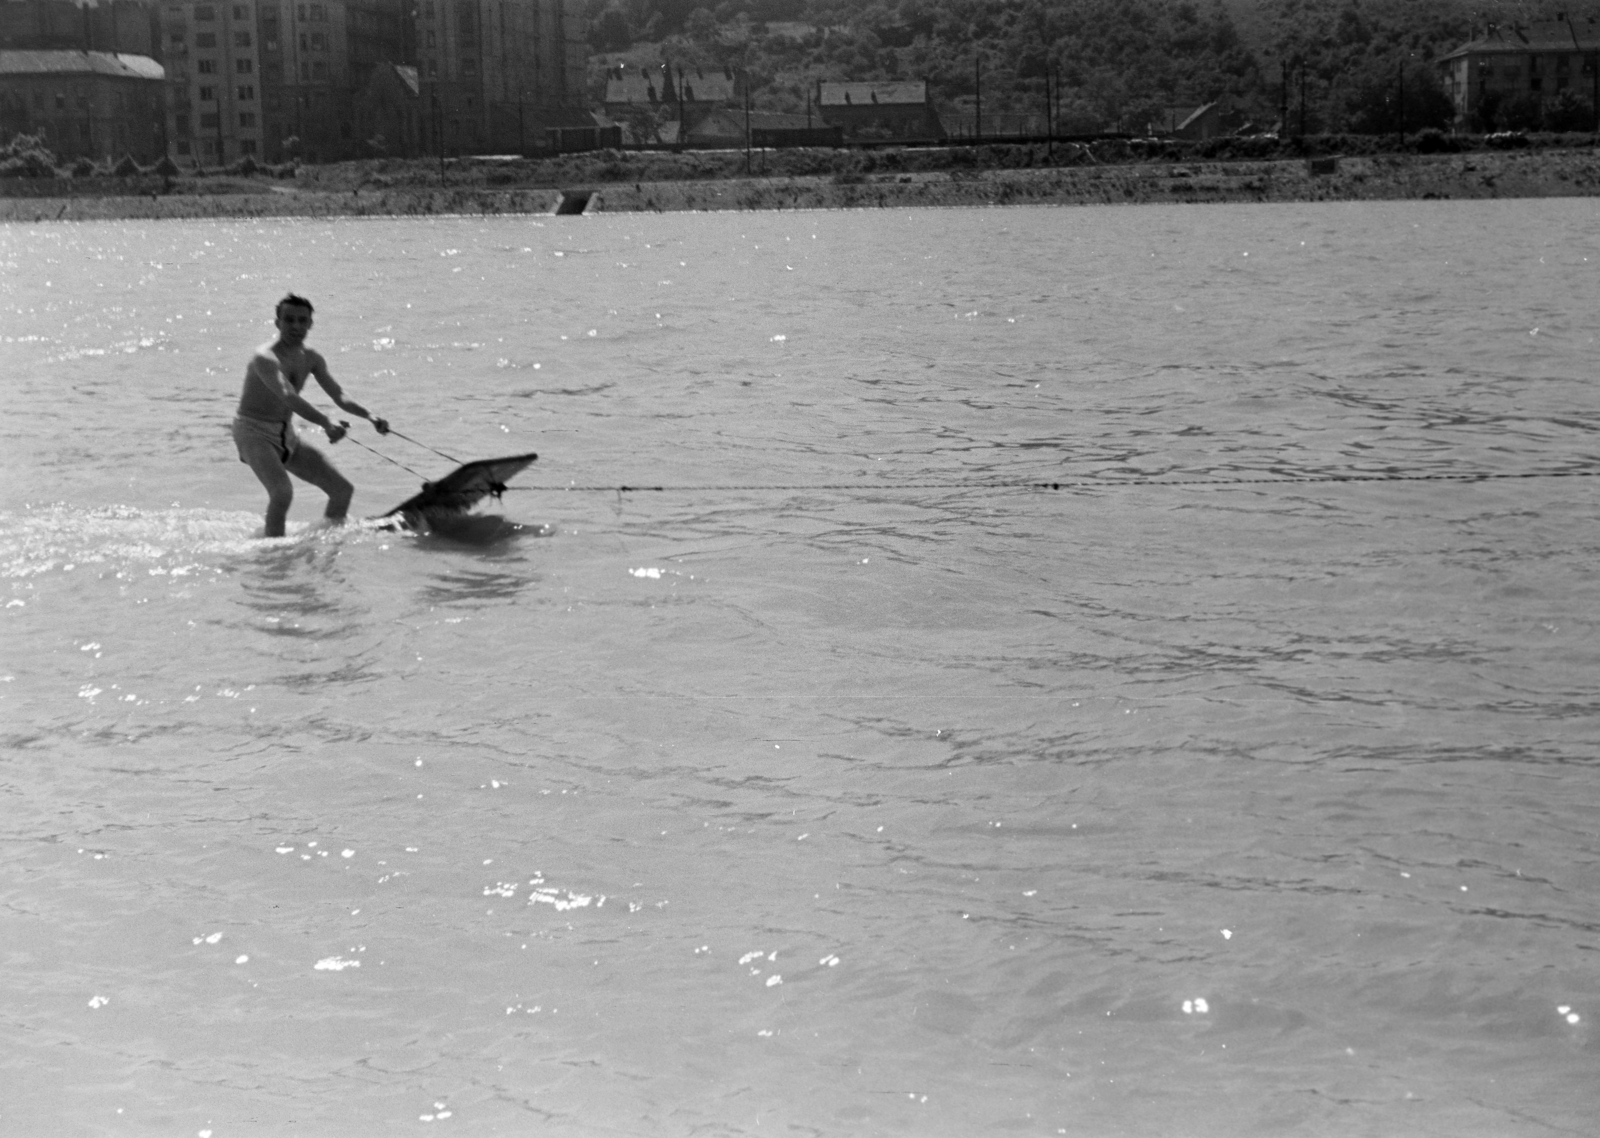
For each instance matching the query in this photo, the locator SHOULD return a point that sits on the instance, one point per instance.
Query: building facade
(280, 79)
(502, 76)
(85, 104)
(121, 27)
(1536, 63)
(880, 112)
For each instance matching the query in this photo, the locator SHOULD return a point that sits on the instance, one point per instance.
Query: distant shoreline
(378, 189)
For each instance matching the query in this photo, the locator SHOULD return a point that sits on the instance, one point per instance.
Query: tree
(1567, 111)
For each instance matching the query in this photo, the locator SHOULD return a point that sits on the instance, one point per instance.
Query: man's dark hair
(294, 302)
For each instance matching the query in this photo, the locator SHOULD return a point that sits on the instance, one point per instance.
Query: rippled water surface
(848, 786)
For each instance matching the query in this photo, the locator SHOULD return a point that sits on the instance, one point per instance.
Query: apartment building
(501, 76)
(274, 79)
(1537, 61)
(84, 104)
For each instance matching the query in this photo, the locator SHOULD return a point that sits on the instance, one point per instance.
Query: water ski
(443, 505)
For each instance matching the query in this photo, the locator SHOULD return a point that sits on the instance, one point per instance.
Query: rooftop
(80, 63)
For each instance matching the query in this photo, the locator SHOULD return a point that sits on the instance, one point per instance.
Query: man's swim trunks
(252, 436)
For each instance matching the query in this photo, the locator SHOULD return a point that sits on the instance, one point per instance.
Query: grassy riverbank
(1347, 169)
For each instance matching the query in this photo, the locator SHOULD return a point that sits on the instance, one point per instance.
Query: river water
(848, 786)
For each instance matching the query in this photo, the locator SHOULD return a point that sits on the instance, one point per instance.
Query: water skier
(264, 427)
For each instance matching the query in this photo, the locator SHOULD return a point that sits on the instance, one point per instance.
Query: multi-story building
(213, 60)
(122, 27)
(85, 104)
(283, 78)
(1536, 61)
(501, 75)
(271, 80)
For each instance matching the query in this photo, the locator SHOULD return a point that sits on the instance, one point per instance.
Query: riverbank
(1061, 176)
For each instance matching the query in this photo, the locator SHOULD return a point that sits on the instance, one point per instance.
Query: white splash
(335, 964)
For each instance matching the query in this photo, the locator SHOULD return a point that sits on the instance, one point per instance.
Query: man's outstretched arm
(319, 368)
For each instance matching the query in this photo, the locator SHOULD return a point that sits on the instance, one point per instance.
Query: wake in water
(161, 542)
(177, 542)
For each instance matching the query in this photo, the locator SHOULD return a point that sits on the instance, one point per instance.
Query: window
(241, 12)
(319, 41)
(1562, 64)
(244, 66)
(247, 118)
(469, 67)
(209, 121)
(183, 148)
(427, 10)
(61, 101)
(178, 38)
(319, 70)
(206, 66)
(318, 13)
(208, 94)
(433, 67)
(180, 123)
(272, 70)
(247, 94)
(83, 132)
(204, 12)
(241, 39)
(305, 71)
(1535, 84)
(431, 39)
(247, 146)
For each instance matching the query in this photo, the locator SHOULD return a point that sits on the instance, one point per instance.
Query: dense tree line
(1337, 66)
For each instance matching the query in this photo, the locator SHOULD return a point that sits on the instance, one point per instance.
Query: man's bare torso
(261, 397)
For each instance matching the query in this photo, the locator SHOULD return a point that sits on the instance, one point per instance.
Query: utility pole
(1302, 98)
(1283, 108)
(977, 83)
(1400, 103)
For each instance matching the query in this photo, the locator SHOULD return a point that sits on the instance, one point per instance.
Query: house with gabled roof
(388, 111)
(897, 111)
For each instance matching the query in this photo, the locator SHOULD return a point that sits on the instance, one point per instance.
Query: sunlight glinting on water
(893, 801)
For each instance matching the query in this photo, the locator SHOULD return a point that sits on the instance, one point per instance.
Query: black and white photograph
(800, 568)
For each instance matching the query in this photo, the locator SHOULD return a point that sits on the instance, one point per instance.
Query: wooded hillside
(1110, 63)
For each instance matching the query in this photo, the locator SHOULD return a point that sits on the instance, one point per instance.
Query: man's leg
(307, 462)
(269, 468)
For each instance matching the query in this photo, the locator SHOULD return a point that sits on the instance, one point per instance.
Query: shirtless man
(264, 429)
